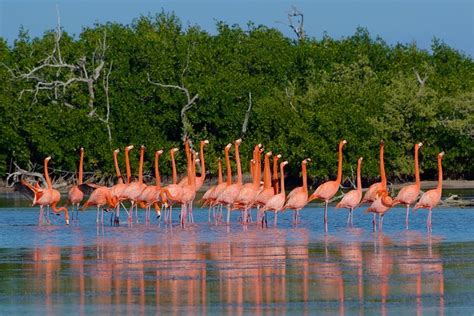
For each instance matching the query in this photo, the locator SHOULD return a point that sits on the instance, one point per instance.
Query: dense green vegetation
(306, 96)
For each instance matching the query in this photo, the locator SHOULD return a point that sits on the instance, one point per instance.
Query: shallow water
(204, 268)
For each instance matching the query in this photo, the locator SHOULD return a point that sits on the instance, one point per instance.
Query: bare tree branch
(191, 101)
(296, 22)
(247, 115)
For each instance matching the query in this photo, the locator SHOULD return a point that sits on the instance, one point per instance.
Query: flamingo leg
(428, 222)
(97, 215)
(102, 217)
(136, 213)
(77, 212)
(326, 216)
(349, 217)
(40, 217)
(228, 214)
(406, 217)
(374, 222)
(47, 215)
(276, 219)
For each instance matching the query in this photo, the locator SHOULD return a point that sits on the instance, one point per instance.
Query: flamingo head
(361, 158)
(82, 149)
(142, 147)
(47, 158)
(238, 141)
(441, 154)
(116, 151)
(278, 156)
(344, 142)
(175, 149)
(268, 154)
(128, 147)
(284, 163)
(305, 161)
(420, 144)
(205, 142)
(228, 147)
(159, 152)
(382, 143)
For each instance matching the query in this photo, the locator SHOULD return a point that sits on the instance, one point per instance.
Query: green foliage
(305, 98)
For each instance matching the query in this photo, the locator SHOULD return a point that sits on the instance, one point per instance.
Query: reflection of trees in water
(238, 272)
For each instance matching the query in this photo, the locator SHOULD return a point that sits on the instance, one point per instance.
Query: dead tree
(296, 22)
(247, 116)
(190, 101)
(420, 81)
(54, 76)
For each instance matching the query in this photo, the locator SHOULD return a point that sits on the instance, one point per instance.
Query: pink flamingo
(151, 194)
(371, 193)
(267, 192)
(276, 202)
(172, 190)
(328, 189)
(408, 194)
(44, 196)
(75, 195)
(117, 190)
(206, 198)
(200, 179)
(221, 187)
(431, 198)
(231, 192)
(298, 197)
(189, 190)
(249, 191)
(383, 202)
(134, 189)
(352, 198)
(101, 197)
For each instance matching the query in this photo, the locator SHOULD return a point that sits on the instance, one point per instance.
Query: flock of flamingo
(265, 196)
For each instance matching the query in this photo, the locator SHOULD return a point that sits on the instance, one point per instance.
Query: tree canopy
(306, 96)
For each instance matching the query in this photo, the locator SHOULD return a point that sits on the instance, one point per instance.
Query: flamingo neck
(282, 179)
(60, 209)
(203, 164)
(192, 171)
(339, 165)
(275, 174)
(439, 187)
(266, 173)
(219, 172)
(305, 177)
(46, 175)
(228, 168)
(359, 181)
(127, 166)
(173, 166)
(239, 167)
(81, 160)
(417, 170)
(117, 169)
(140, 165)
(157, 170)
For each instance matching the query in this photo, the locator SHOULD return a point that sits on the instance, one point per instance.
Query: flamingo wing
(26, 189)
(88, 188)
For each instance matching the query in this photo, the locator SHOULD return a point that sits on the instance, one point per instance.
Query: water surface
(85, 268)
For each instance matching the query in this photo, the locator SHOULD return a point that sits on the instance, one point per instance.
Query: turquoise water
(85, 268)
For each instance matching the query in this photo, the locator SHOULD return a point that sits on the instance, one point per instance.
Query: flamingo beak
(48, 158)
(344, 141)
(420, 144)
(228, 146)
(117, 151)
(269, 153)
(361, 158)
(160, 151)
(279, 156)
(129, 147)
(67, 222)
(238, 141)
(82, 148)
(206, 142)
(175, 149)
(285, 163)
(441, 153)
(260, 145)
